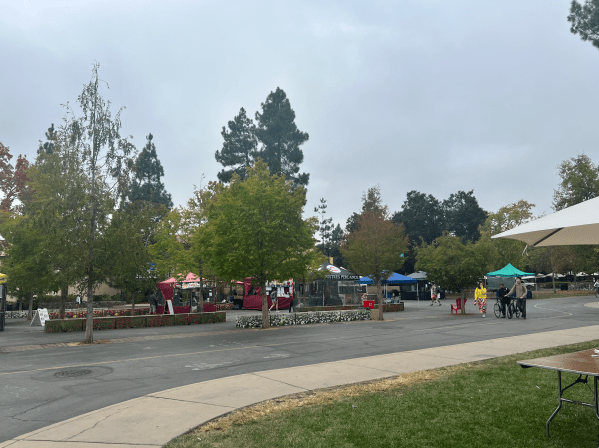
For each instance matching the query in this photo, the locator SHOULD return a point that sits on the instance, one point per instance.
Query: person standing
(480, 296)
(520, 289)
(502, 293)
(434, 294)
(153, 303)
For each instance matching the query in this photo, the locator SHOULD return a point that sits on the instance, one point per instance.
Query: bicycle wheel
(497, 310)
(597, 293)
(517, 311)
(510, 311)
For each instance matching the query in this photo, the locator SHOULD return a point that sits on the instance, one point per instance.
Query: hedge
(58, 325)
(309, 317)
(109, 323)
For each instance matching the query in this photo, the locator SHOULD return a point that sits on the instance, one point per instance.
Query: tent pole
(417, 295)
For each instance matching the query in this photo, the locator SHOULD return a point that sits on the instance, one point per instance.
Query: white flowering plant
(315, 317)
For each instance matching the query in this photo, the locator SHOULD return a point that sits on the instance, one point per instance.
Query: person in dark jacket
(505, 300)
(153, 303)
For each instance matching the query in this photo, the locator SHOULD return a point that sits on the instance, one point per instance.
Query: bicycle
(515, 309)
(597, 292)
(497, 309)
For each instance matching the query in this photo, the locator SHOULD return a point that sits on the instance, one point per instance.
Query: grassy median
(487, 403)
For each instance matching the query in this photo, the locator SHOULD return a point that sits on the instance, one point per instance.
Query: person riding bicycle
(520, 289)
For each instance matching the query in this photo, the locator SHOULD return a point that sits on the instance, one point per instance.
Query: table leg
(559, 400)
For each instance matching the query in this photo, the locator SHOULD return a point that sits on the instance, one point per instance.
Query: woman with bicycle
(596, 286)
(480, 296)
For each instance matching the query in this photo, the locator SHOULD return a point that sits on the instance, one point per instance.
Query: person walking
(505, 300)
(480, 296)
(434, 294)
(520, 289)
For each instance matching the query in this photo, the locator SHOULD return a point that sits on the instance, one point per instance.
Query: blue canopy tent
(395, 279)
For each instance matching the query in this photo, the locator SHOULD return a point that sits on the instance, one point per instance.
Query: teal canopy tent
(508, 271)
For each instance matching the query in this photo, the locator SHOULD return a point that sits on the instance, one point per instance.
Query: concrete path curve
(155, 419)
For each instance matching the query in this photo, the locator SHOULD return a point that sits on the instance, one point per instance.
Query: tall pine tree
(146, 185)
(281, 139)
(239, 148)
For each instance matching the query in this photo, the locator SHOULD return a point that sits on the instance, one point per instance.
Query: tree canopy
(146, 184)
(579, 182)
(254, 228)
(239, 149)
(585, 20)
(281, 139)
(376, 245)
(422, 216)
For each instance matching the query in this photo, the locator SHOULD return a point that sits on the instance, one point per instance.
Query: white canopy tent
(574, 225)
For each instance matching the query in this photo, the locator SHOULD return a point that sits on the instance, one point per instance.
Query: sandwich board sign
(40, 317)
(170, 307)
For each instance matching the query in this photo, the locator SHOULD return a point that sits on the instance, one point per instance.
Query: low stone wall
(388, 308)
(120, 322)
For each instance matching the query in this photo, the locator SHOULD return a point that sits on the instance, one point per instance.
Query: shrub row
(111, 323)
(310, 317)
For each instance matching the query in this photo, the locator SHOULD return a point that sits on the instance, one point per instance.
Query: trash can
(563, 287)
(369, 304)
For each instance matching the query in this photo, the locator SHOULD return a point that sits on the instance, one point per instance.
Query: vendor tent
(420, 275)
(508, 271)
(395, 279)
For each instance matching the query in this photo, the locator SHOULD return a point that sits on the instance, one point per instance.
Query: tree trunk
(215, 289)
(63, 299)
(30, 312)
(380, 299)
(201, 298)
(133, 304)
(265, 319)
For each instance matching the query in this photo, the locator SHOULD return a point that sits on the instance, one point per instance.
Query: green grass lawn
(488, 403)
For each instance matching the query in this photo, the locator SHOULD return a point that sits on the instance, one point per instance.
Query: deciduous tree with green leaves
(498, 252)
(579, 182)
(451, 263)
(93, 142)
(376, 247)
(254, 228)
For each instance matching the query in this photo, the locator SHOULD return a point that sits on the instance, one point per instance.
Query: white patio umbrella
(574, 225)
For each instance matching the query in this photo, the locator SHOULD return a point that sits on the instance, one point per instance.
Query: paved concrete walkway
(157, 418)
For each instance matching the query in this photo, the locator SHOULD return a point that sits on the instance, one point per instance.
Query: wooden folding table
(581, 363)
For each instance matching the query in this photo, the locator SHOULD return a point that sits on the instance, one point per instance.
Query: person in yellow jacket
(480, 296)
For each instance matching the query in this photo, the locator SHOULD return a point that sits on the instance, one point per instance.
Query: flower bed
(309, 317)
(104, 323)
(109, 323)
(131, 322)
(393, 307)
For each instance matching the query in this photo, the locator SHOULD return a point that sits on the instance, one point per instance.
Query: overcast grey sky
(428, 95)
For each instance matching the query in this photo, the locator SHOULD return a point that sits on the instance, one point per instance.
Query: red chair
(458, 305)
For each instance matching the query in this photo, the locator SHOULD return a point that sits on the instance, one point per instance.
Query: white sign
(170, 307)
(333, 269)
(40, 317)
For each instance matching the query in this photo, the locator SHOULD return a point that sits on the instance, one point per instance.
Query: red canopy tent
(285, 295)
(167, 289)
